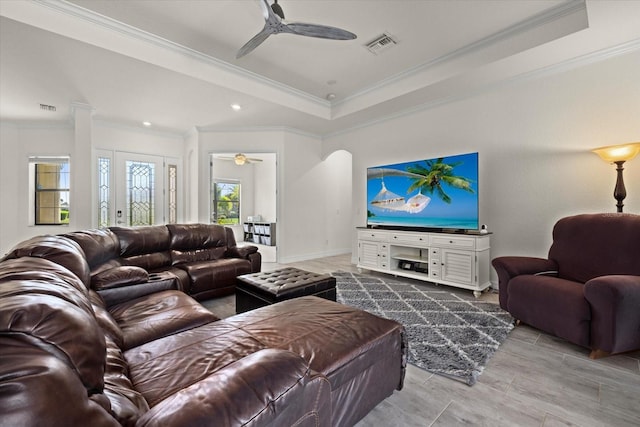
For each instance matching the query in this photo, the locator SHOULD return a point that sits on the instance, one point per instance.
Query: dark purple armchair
(588, 289)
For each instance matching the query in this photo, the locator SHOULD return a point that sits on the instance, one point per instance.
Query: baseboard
(307, 257)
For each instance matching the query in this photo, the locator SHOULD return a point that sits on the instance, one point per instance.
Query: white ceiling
(173, 62)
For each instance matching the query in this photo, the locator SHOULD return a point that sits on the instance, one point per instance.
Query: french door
(145, 190)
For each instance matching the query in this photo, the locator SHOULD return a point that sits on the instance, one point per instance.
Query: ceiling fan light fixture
(240, 159)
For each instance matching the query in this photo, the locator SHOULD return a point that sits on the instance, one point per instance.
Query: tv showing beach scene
(435, 194)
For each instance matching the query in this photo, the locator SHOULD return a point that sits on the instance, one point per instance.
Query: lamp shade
(618, 153)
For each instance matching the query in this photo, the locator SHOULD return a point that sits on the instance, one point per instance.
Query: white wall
(265, 186)
(16, 145)
(534, 139)
(302, 190)
(18, 142)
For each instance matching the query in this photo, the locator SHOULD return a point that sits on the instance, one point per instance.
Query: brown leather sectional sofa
(201, 260)
(153, 356)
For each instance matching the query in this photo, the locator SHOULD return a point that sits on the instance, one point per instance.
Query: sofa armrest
(509, 267)
(615, 318)
(249, 253)
(270, 387)
(241, 251)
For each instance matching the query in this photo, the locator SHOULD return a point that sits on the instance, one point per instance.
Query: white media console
(460, 260)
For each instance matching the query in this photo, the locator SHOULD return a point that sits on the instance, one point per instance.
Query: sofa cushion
(38, 269)
(99, 246)
(200, 351)
(127, 404)
(552, 304)
(39, 387)
(146, 247)
(66, 329)
(196, 255)
(269, 387)
(157, 315)
(211, 275)
(592, 245)
(197, 236)
(118, 277)
(142, 240)
(57, 249)
(105, 321)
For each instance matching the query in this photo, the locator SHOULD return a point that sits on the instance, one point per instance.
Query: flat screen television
(439, 194)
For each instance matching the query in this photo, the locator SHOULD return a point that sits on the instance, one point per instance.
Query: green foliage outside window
(225, 203)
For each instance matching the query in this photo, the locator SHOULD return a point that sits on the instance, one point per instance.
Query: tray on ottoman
(259, 289)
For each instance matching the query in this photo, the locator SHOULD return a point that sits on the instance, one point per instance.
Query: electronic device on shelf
(406, 265)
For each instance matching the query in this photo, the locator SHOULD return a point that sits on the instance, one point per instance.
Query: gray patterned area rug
(448, 334)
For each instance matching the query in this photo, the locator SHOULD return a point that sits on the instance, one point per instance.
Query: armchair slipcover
(587, 290)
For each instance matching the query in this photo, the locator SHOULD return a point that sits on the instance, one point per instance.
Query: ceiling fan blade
(254, 42)
(266, 10)
(321, 31)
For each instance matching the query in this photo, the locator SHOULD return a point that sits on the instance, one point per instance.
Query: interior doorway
(255, 174)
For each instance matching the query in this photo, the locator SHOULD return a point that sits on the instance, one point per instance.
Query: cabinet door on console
(373, 254)
(458, 266)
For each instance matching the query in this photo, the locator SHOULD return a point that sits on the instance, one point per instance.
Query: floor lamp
(619, 154)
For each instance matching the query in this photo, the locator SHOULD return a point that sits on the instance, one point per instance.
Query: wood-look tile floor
(533, 379)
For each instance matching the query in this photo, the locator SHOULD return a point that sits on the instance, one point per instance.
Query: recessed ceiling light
(147, 124)
(236, 107)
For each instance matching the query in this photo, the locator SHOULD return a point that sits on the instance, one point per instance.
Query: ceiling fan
(240, 159)
(274, 24)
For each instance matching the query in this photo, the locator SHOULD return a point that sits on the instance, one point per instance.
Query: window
(225, 199)
(172, 190)
(140, 205)
(51, 185)
(104, 191)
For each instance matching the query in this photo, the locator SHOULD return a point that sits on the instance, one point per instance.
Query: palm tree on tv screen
(435, 175)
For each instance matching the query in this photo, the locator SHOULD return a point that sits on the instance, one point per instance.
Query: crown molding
(261, 129)
(66, 124)
(567, 65)
(34, 13)
(544, 18)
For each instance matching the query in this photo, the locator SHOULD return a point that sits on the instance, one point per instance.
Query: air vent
(47, 107)
(381, 43)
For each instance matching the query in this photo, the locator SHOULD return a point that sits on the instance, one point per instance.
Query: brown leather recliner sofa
(159, 358)
(588, 289)
(202, 260)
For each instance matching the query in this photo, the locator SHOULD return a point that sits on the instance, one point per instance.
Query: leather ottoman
(264, 288)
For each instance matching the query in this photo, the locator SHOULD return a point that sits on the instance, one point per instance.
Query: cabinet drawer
(434, 253)
(415, 239)
(373, 235)
(453, 242)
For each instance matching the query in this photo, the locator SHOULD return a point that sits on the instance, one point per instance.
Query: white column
(82, 176)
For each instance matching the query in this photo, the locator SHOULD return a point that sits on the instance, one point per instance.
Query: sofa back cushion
(57, 249)
(39, 388)
(59, 318)
(197, 242)
(592, 245)
(146, 247)
(99, 246)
